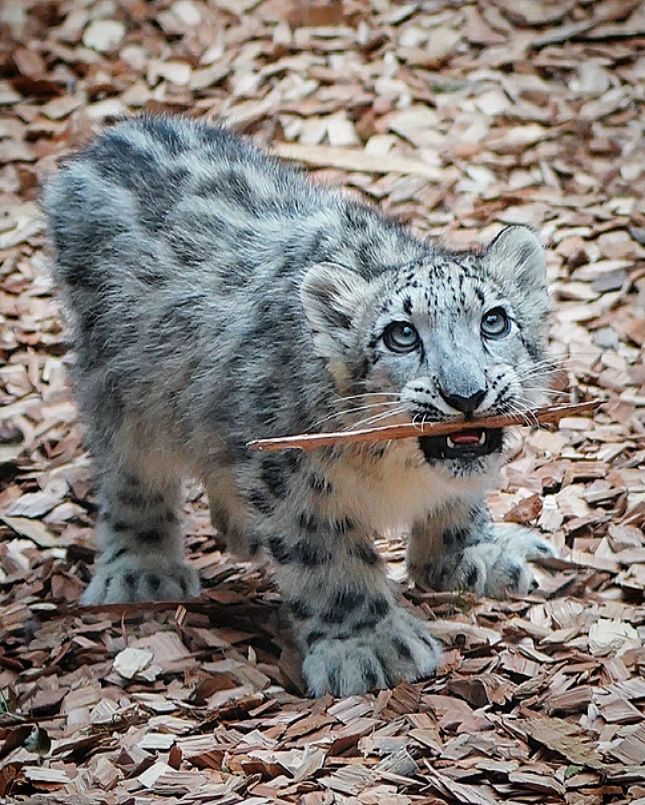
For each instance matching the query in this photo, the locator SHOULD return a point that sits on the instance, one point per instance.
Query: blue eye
(495, 323)
(400, 336)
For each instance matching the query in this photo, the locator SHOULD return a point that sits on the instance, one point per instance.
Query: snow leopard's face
(458, 334)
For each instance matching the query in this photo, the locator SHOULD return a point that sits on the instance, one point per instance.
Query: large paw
(495, 567)
(400, 648)
(134, 578)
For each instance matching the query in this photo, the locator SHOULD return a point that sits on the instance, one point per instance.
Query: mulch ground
(456, 118)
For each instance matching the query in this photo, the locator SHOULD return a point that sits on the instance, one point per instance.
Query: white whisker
(527, 416)
(356, 410)
(371, 421)
(397, 394)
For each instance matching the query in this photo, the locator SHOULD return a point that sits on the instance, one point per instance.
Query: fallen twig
(539, 416)
(354, 159)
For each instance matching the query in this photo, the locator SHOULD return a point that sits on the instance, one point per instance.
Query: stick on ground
(549, 415)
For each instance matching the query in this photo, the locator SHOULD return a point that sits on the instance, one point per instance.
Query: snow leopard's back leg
(138, 530)
(229, 513)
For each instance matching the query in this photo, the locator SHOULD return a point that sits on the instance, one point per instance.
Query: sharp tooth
(450, 441)
(482, 437)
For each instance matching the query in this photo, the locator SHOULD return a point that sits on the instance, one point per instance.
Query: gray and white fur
(218, 296)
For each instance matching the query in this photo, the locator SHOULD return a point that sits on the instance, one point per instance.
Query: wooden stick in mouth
(549, 415)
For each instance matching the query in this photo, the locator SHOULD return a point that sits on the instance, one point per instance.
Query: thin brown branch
(549, 415)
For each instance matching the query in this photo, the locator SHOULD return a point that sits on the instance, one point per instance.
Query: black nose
(467, 405)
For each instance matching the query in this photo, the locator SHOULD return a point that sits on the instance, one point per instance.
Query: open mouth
(466, 444)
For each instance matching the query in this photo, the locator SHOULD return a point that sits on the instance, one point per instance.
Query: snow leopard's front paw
(401, 648)
(130, 578)
(494, 567)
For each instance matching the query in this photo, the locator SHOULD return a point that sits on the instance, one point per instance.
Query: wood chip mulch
(455, 118)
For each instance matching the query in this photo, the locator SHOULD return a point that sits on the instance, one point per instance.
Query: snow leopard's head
(452, 334)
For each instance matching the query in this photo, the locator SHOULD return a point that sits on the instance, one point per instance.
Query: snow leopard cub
(217, 296)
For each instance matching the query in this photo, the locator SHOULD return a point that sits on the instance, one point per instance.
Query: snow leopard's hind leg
(140, 542)
(458, 548)
(228, 513)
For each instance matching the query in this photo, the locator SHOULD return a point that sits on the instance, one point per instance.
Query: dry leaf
(132, 661)
(609, 636)
(103, 35)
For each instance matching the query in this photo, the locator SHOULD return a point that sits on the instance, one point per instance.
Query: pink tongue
(465, 437)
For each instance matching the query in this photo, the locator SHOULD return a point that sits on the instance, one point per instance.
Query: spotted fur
(217, 295)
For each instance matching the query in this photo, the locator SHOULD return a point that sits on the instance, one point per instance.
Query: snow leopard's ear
(516, 256)
(331, 295)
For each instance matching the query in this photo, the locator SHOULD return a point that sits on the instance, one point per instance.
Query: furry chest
(389, 493)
